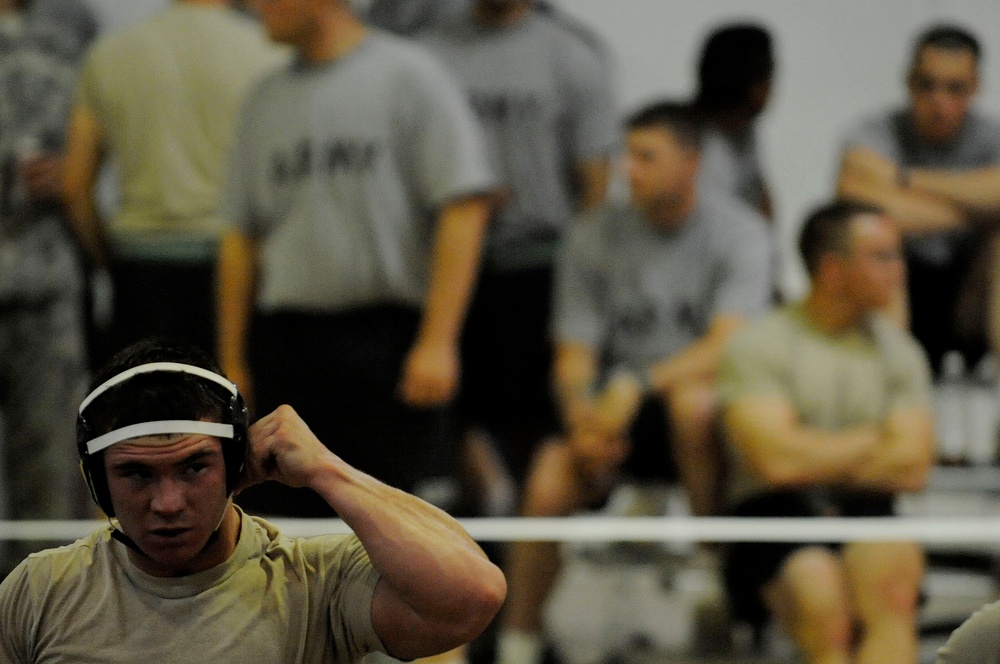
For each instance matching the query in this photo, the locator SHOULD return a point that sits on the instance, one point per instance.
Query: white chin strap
(159, 428)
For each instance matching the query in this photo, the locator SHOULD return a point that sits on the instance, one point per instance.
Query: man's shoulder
(65, 566)
(895, 342)
(572, 36)
(383, 46)
(983, 124)
(272, 542)
(768, 330)
(883, 123)
(726, 216)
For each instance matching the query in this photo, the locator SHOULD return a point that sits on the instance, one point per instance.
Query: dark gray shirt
(639, 294)
(892, 135)
(341, 170)
(545, 101)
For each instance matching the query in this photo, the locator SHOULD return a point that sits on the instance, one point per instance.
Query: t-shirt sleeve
(351, 601)
(909, 367)
(445, 141)
(578, 314)
(874, 134)
(976, 641)
(991, 140)
(236, 196)
(88, 89)
(15, 616)
(752, 364)
(744, 282)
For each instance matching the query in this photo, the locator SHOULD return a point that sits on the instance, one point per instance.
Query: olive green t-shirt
(166, 94)
(277, 599)
(833, 381)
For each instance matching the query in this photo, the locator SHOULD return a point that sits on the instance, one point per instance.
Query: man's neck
(671, 213)
(732, 122)
(338, 32)
(831, 313)
(501, 18)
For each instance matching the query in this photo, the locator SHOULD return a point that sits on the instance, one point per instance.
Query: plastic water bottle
(950, 410)
(982, 413)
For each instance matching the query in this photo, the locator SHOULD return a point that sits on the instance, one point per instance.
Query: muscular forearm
(81, 209)
(903, 457)
(977, 189)
(813, 456)
(783, 452)
(82, 163)
(699, 361)
(454, 264)
(915, 212)
(437, 588)
(574, 376)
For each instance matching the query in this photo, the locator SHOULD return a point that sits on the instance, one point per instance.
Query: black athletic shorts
(748, 566)
(341, 373)
(507, 363)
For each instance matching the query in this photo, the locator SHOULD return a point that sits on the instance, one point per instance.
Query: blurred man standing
(160, 101)
(358, 195)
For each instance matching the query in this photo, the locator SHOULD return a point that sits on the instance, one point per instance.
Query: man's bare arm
(699, 361)
(84, 156)
(592, 178)
(437, 589)
(431, 373)
(977, 189)
(867, 176)
(783, 452)
(904, 455)
(236, 284)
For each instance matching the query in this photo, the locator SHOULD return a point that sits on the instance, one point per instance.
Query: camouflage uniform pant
(42, 373)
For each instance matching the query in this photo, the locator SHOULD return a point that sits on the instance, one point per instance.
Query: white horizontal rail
(977, 532)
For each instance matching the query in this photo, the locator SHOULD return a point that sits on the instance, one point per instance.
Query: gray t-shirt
(276, 599)
(639, 294)
(545, 100)
(732, 163)
(976, 641)
(341, 168)
(892, 135)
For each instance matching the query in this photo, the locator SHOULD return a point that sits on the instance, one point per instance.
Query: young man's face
(942, 84)
(660, 170)
(169, 495)
(874, 267)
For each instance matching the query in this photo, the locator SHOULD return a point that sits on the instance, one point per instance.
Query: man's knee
(811, 597)
(693, 405)
(885, 577)
(554, 485)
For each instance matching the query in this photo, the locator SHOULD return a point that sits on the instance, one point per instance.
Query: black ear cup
(92, 467)
(234, 451)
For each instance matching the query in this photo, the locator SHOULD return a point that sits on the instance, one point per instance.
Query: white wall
(837, 59)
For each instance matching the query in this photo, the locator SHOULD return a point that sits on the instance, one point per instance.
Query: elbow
(779, 474)
(778, 470)
(482, 604)
(915, 478)
(74, 193)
